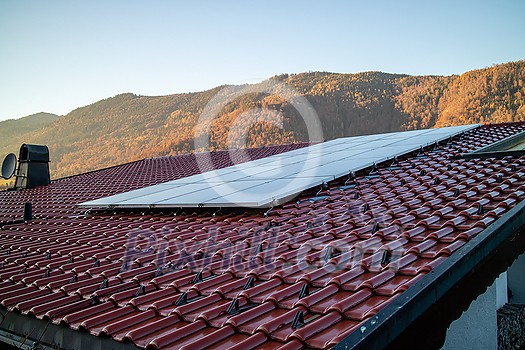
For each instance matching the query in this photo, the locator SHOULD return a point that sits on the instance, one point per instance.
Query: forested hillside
(129, 127)
(12, 129)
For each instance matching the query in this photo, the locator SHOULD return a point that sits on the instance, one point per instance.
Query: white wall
(477, 328)
(501, 290)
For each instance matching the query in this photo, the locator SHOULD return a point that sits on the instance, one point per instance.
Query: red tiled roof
(305, 276)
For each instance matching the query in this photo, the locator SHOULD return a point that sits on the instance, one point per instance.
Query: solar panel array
(276, 179)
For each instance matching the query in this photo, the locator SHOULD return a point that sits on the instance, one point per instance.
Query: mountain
(129, 127)
(18, 128)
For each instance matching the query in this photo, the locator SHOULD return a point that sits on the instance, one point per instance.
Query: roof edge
(28, 332)
(501, 144)
(390, 323)
(96, 170)
(299, 143)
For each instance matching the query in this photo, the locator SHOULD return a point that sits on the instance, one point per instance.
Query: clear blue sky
(59, 55)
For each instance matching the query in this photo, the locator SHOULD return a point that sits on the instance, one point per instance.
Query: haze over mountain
(128, 127)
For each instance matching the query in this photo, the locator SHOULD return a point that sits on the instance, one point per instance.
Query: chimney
(33, 166)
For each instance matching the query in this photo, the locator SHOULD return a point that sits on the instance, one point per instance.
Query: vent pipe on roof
(28, 211)
(33, 166)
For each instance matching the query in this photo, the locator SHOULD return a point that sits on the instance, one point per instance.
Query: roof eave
(443, 294)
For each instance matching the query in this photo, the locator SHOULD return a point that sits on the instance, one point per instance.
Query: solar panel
(278, 178)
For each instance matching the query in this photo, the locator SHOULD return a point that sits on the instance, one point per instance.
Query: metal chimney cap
(34, 153)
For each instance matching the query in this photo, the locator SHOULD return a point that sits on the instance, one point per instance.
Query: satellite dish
(9, 166)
